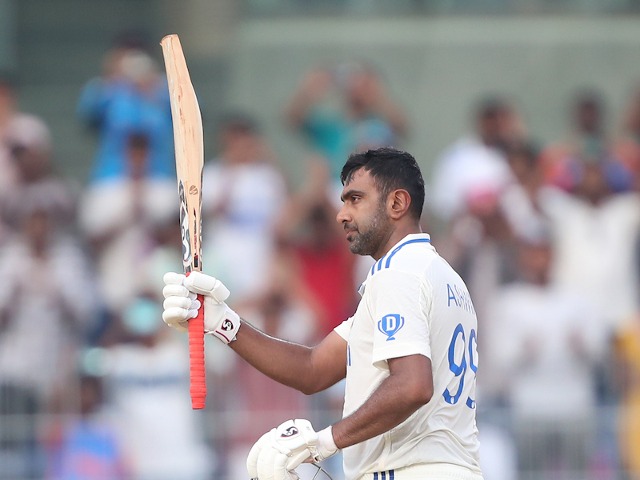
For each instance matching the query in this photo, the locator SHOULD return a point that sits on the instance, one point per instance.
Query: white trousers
(432, 471)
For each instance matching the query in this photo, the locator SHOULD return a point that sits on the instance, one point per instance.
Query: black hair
(132, 39)
(390, 169)
(528, 150)
(588, 97)
(238, 122)
(490, 106)
(138, 140)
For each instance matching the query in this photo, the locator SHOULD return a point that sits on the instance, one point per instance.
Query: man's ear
(398, 203)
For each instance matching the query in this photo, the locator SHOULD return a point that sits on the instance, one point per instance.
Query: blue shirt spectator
(133, 99)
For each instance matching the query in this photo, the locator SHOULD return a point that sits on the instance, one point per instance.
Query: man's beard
(368, 238)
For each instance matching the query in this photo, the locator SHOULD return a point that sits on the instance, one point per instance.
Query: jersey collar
(385, 261)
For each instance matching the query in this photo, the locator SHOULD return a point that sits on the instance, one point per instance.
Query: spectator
(30, 149)
(628, 144)
(587, 140)
(316, 241)
(9, 112)
(546, 343)
(47, 280)
(20, 455)
(475, 162)
(130, 97)
(521, 198)
(164, 251)
(595, 234)
(17, 131)
(627, 368)
(46, 307)
(147, 393)
(116, 216)
(364, 115)
(243, 195)
(86, 447)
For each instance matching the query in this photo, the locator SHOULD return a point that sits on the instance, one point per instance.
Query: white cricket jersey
(413, 302)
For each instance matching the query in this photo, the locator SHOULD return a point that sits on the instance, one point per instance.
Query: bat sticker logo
(184, 229)
(196, 241)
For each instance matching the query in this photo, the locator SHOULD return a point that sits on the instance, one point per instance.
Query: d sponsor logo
(390, 324)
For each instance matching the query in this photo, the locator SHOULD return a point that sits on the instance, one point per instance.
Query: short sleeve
(398, 303)
(344, 328)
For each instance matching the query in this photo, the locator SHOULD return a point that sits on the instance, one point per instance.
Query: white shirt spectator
(117, 215)
(595, 250)
(242, 203)
(51, 302)
(546, 342)
(148, 391)
(466, 168)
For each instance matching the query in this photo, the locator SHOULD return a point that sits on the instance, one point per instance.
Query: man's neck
(397, 235)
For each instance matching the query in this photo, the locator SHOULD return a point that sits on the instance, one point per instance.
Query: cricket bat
(189, 153)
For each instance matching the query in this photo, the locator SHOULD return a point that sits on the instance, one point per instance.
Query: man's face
(535, 261)
(588, 116)
(363, 215)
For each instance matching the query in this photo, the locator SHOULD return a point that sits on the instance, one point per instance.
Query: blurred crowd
(94, 386)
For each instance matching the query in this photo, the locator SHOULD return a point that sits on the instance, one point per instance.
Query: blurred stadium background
(440, 61)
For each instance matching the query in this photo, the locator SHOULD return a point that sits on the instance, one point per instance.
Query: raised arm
(310, 91)
(307, 369)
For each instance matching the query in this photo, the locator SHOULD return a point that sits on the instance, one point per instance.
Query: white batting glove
(181, 305)
(254, 453)
(278, 452)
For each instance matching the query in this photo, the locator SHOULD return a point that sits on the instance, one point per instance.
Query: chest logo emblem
(390, 324)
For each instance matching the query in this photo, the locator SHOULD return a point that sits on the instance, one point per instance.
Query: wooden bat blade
(189, 151)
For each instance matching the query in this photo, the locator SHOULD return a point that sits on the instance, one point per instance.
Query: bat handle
(197, 376)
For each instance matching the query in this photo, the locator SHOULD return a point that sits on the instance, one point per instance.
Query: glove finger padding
(172, 278)
(274, 465)
(254, 453)
(173, 290)
(185, 303)
(207, 285)
(180, 304)
(176, 318)
(281, 470)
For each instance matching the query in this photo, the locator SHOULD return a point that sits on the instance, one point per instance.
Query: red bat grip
(197, 377)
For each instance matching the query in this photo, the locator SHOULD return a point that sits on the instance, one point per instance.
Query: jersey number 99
(462, 355)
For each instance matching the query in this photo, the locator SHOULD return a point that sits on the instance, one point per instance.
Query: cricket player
(408, 352)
